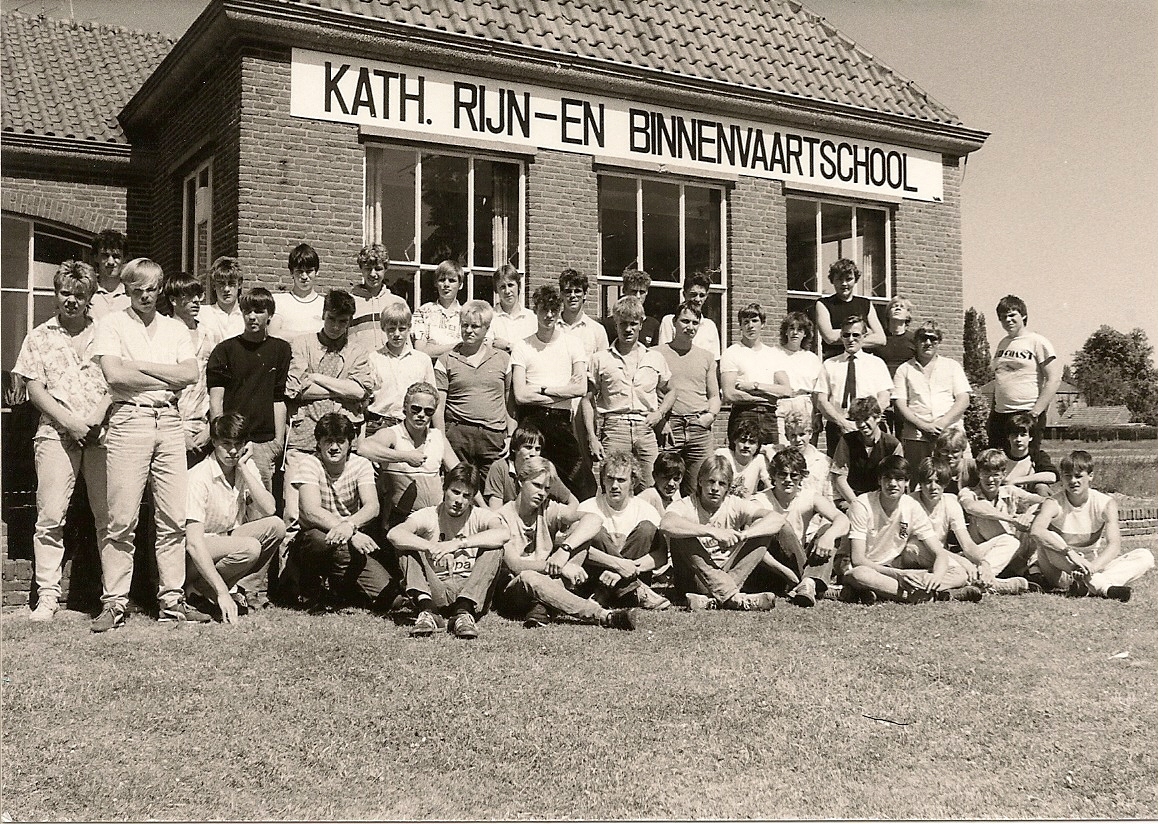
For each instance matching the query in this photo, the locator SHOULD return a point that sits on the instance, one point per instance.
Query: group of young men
(444, 461)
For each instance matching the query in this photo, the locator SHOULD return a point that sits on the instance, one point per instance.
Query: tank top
(838, 311)
(1082, 526)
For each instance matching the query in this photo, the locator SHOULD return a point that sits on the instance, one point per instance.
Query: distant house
(1067, 395)
(1082, 415)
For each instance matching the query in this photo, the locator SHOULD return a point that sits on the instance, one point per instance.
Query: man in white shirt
(931, 394)
(696, 289)
(108, 251)
(573, 286)
(846, 377)
(147, 360)
(513, 322)
(223, 319)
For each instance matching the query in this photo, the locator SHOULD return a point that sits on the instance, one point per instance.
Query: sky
(1060, 206)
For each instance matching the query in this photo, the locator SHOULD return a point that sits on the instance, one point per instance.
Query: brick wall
(562, 217)
(85, 204)
(757, 252)
(927, 258)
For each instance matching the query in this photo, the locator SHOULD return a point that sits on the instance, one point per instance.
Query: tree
(979, 369)
(1114, 369)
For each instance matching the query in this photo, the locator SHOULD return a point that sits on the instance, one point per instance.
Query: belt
(689, 415)
(629, 413)
(753, 407)
(459, 422)
(547, 412)
(167, 405)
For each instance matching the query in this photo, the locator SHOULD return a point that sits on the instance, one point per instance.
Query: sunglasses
(928, 338)
(851, 335)
(791, 476)
(428, 411)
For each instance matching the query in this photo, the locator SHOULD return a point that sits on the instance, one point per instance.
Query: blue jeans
(694, 442)
(624, 432)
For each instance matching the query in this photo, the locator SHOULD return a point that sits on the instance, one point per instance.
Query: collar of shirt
(519, 312)
(119, 290)
(486, 350)
(583, 320)
(333, 345)
(407, 348)
(447, 312)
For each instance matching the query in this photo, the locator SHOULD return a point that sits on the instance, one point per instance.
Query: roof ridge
(90, 25)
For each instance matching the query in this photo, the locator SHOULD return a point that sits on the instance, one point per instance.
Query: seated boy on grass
(895, 553)
(860, 453)
(749, 466)
(1079, 545)
(999, 515)
(1031, 469)
(810, 571)
(502, 482)
(450, 555)
(798, 434)
(949, 527)
(230, 529)
(667, 474)
(952, 447)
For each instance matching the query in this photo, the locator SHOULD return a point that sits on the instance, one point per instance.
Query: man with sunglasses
(931, 394)
(850, 375)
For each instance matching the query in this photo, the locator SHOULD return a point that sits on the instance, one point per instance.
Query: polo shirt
(619, 522)
(105, 302)
(707, 335)
(549, 364)
(872, 377)
(428, 523)
(734, 513)
(437, 323)
(73, 378)
(514, 326)
(475, 394)
(859, 462)
(125, 336)
(627, 383)
(396, 374)
(887, 536)
(1019, 371)
(929, 392)
(590, 333)
(690, 373)
(213, 502)
(253, 375)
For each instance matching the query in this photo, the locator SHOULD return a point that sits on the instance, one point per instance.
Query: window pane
(400, 281)
(391, 193)
(713, 308)
(702, 227)
(17, 234)
(444, 208)
(870, 225)
(190, 223)
(836, 240)
(481, 287)
(802, 246)
(14, 308)
(48, 252)
(616, 225)
(661, 230)
(662, 301)
(496, 213)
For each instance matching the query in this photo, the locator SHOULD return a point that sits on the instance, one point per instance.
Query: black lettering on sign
(565, 134)
(465, 102)
(363, 94)
(639, 135)
(418, 96)
(332, 91)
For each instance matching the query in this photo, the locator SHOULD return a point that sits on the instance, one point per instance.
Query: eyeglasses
(428, 411)
(929, 338)
(790, 476)
(852, 335)
(575, 290)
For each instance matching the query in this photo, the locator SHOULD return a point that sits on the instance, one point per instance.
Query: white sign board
(432, 104)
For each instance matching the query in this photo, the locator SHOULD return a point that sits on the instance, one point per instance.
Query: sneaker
(697, 602)
(971, 594)
(45, 609)
(242, 600)
(463, 626)
(804, 595)
(1117, 593)
(618, 619)
(755, 602)
(907, 595)
(1077, 588)
(866, 597)
(537, 616)
(833, 592)
(648, 598)
(424, 625)
(1011, 586)
(181, 612)
(112, 617)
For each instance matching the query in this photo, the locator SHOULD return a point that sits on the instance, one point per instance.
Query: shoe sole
(421, 633)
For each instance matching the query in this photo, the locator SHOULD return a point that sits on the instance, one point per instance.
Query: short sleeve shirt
(803, 368)
(734, 513)
(945, 516)
(627, 383)
(752, 364)
(426, 523)
(1036, 461)
(66, 367)
(309, 355)
(799, 511)
(707, 335)
(690, 373)
(212, 501)
(872, 377)
(929, 392)
(164, 340)
(549, 364)
(502, 483)
(747, 480)
(887, 535)
(105, 302)
(620, 522)
(253, 376)
(476, 393)
(1019, 371)
(1011, 500)
(366, 327)
(589, 332)
(219, 324)
(340, 495)
(437, 323)
(514, 326)
(534, 540)
(298, 316)
(396, 374)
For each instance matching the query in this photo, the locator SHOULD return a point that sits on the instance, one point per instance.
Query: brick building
(753, 141)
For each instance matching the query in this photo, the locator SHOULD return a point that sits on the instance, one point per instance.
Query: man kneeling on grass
(1079, 548)
(230, 528)
(546, 553)
(895, 553)
(718, 539)
(450, 556)
(339, 514)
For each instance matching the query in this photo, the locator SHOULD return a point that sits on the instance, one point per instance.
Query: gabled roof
(65, 80)
(1096, 416)
(769, 45)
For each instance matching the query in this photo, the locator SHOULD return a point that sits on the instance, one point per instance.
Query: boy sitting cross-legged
(502, 480)
(667, 475)
(1078, 541)
(748, 463)
(895, 553)
(450, 555)
(999, 516)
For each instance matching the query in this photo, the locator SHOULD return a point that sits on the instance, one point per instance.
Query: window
(427, 207)
(197, 220)
(667, 228)
(32, 252)
(821, 232)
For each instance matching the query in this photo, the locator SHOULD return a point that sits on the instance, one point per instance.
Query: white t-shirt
(707, 336)
(297, 316)
(946, 515)
(125, 336)
(515, 326)
(425, 523)
(752, 364)
(549, 364)
(803, 368)
(747, 480)
(1082, 526)
(220, 324)
(734, 513)
(930, 392)
(799, 511)
(886, 536)
(1019, 371)
(396, 374)
(620, 522)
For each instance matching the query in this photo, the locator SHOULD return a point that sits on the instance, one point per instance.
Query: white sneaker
(648, 598)
(44, 610)
(697, 602)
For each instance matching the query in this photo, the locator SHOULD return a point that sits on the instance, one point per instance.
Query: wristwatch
(566, 547)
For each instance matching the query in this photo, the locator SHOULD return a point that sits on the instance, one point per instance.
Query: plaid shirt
(74, 380)
(340, 495)
(310, 356)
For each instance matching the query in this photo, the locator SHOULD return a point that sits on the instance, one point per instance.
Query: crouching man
(450, 556)
(230, 528)
(895, 552)
(546, 552)
(718, 539)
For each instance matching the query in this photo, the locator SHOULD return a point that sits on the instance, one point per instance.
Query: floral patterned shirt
(66, 367)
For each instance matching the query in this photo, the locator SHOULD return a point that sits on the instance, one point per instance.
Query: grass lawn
(1018, 707)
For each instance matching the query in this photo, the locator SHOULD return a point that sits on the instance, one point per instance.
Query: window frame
(821, 275)
(373, 214)
(720, 289)
(189, 250)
